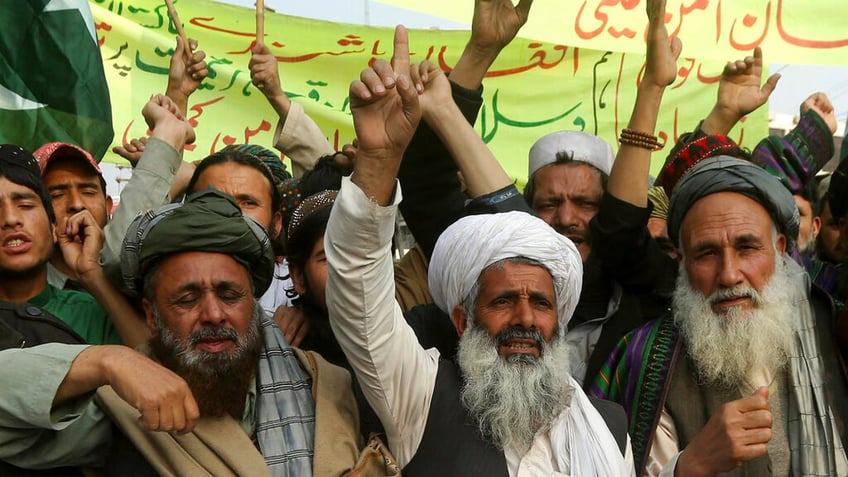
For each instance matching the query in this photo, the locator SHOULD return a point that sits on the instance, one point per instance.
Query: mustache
(735, 292)
(214, 332)
(516, 332)
(573, 231)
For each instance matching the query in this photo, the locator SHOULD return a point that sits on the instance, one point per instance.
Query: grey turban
(473, 243)
(729, 174)
(208, 221)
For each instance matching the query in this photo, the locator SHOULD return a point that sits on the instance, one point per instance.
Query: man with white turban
(510, 283)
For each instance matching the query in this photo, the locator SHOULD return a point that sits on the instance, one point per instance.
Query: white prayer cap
(473, 243)
(574, 144)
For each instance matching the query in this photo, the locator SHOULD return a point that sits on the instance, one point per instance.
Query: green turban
(208, 221)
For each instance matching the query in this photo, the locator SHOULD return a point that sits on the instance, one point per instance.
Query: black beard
(220, 382)
(320, 337)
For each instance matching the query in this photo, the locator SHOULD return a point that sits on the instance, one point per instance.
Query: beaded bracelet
(639, 139)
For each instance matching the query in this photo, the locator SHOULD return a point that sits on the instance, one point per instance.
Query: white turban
(473, 243)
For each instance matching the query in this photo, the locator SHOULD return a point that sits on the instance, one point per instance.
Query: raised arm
(494, 24)
(481, 171)
(385, 109)
(156, 177)
(428, 174)
(297, 135)
(185, 73)
(396, 375)
(621, 238)
(739, 93)
(81, 239)
(628, 179)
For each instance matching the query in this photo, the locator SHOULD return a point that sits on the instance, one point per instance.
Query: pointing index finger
(400, 55)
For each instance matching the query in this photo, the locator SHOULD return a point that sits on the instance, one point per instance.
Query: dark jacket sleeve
(629, 254)
(432, 195)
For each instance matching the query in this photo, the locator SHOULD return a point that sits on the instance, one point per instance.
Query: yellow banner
(789, 31)
(533, 88)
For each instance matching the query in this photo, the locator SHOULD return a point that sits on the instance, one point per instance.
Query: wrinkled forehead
(727, 214)
(195, 268)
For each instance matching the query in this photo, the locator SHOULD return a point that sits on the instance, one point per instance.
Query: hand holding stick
(260, 21)
(172, 12)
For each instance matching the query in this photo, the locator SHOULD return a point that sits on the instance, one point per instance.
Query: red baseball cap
(61, 150)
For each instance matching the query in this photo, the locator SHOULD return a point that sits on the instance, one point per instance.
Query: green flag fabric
(52, 84)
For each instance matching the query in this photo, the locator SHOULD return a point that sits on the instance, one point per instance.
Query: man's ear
(109, 204)
(816, 227)
(276, 225)
(298, 279)
(780, 245)
(459, 319)
(148, 315)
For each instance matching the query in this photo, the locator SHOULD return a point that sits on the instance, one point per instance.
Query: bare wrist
(720, 121)
(437, 115)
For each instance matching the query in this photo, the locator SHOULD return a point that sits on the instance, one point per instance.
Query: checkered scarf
(814, 441)
(285, 408)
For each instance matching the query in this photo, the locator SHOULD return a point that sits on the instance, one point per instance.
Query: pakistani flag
(52, 86)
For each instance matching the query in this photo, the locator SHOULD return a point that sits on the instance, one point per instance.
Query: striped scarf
(285, 408)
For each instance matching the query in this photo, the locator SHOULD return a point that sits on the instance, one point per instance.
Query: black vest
(452, 444)
(21, 326)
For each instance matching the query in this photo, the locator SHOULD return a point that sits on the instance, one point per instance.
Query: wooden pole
(260, 21)
(172, 12)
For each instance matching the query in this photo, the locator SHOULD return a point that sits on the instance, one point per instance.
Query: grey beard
(512, 400)
(201, 362)
(726, 348)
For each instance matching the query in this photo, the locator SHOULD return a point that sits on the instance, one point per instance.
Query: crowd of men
(233, 318)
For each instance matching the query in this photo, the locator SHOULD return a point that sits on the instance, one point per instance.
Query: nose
(211, 311)
(730, 274)
(10, 216)
(565, 215)
(522, 314)
(75, 202)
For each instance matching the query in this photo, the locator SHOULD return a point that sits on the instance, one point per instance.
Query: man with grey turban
(733, 379)
(218, 377)
(510, 284)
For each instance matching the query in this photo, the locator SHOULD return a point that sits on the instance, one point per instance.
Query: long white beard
(512, 400)
(726, 348)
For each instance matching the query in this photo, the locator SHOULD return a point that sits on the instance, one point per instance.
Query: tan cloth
(299, 138)
(219, 447)
(411, 287)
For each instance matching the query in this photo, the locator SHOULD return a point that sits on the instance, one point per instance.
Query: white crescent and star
(11, 101)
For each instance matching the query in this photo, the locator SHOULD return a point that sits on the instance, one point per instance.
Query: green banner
(532, 89)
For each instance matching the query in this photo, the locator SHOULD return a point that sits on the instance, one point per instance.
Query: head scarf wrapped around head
(685, 155)
(473, 243)
(729, 174)
(271, 160)
(208, 221)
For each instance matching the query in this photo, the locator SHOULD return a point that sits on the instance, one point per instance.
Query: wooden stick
(172, 12)
(260, 21)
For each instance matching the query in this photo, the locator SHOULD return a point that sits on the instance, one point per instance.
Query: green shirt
(81, 312)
